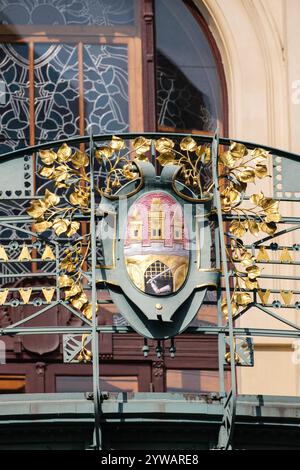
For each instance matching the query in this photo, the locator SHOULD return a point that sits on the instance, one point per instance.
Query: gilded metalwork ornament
(241, 167)
(119, 166)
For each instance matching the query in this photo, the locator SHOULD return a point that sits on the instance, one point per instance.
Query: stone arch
(251, 45)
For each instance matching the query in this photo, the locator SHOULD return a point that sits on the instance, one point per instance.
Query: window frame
(223, 130)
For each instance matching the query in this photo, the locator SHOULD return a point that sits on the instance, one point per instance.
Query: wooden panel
(12, 383)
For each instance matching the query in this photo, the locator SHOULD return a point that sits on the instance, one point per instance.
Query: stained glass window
(188, 83)
(14, 95)
(106, 88)
(56, 91)
(67, 12)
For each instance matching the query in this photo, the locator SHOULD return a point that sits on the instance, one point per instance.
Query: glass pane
(85, 383)
(106, 88)
(56, 91)
(14, 119)
(71, 12)
(191, 380)
(188, 85)
(14, 96)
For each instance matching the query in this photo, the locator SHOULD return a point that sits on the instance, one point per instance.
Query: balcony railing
(61, 184)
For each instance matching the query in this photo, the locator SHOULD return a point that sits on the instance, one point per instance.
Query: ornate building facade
(153, 65)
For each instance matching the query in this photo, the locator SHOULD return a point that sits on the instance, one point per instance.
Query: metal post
(221, 336)
(97, 438)
(226, 431)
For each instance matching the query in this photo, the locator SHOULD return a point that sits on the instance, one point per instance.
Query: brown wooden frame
(131, 36)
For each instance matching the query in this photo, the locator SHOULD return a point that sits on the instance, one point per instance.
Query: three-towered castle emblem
(156, 245)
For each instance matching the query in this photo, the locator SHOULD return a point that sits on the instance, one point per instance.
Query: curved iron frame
(229, 331)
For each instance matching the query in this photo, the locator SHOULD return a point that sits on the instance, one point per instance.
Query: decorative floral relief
(259, 214)
(68, 12)
(68, 170)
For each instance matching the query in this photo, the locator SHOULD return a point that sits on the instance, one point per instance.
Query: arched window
(189, 76)
(69, 67)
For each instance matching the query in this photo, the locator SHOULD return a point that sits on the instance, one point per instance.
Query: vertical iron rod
(232, 401)
(97, 439)
(221, 336)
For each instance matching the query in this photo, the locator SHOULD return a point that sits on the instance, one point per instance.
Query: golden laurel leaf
(188, 144)
(142, 158)
(47, 171)
(237, 228)
(79, 197)
(224, 308)
(73, 227)
(129, 171)
(259, 155)
(117, 143)
(243, 298)
(60, 226)
(87, 311)
(104, 151)
(51, 199)
(79, 301)
(270, 205)
(48, 156)
(37, 209)
(250, 283)
(68, 265)
(253, 227)
(164, 145)
(61, 185)
(80, 159)
(233, 195)
(207, 157)
(61, 173)
(40, 227)
(240, 186)
(272, 217)
(73, 291)
(247, 259)
(268, 227)
(261, 171)
(237, 150)
(253, 272)
(247, 175)
(229, 197)
(166, 158)
(227, 159)
(65, 281)
(64, 153)
(141, 145)
(257, 198)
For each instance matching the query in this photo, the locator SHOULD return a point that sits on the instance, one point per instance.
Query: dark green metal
(95, 335)
(227, 427)
(228, 332)
(150, 135)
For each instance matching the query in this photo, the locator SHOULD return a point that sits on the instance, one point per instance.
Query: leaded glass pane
(188, 85)
(106, 88)
(56, 91)
(14, 96)
(14, 120)
(67, 12)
